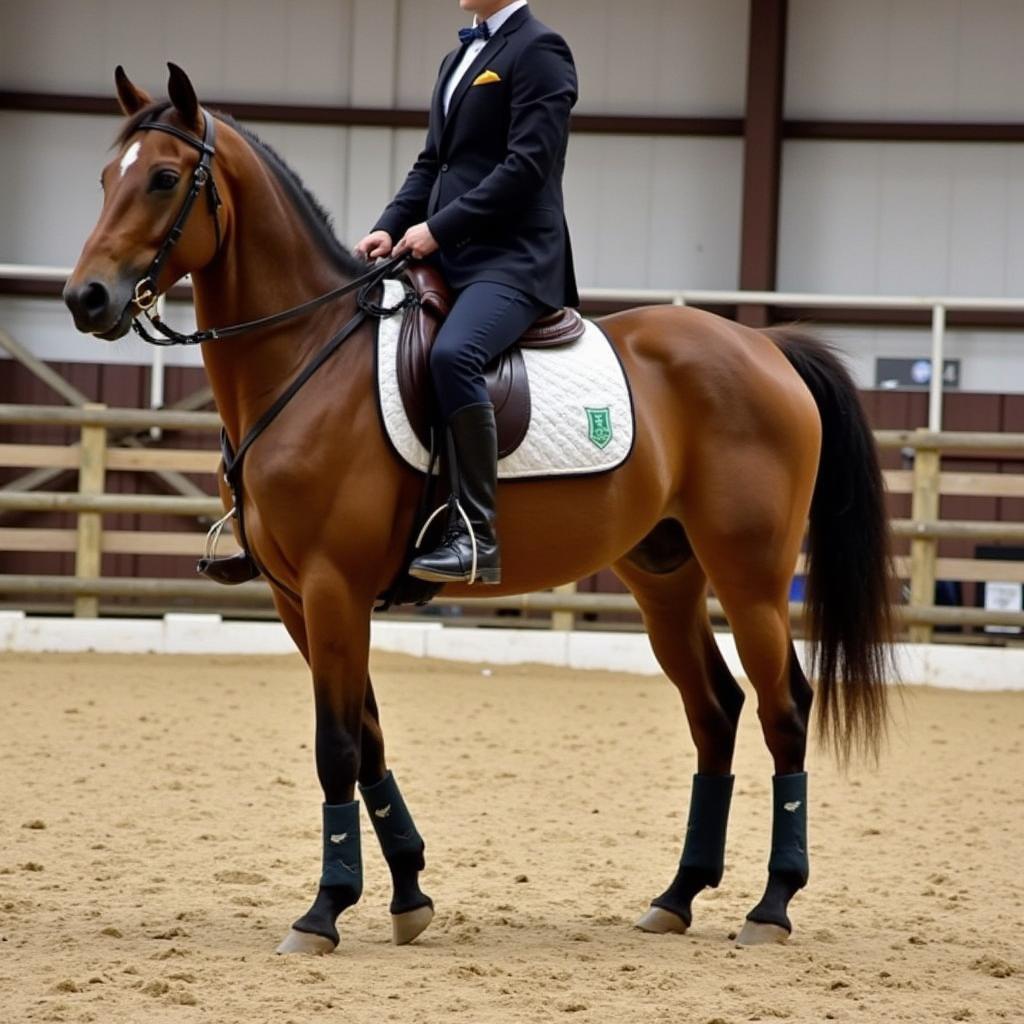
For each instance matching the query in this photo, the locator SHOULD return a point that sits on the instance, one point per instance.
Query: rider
(484, 202)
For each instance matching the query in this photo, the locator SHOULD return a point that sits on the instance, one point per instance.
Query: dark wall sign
(914, 373)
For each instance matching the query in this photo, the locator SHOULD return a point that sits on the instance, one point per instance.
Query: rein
(145, 292)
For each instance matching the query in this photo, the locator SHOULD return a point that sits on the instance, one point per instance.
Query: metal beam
(905, 131)
(598, 124)
(371, 117)
(762, 153)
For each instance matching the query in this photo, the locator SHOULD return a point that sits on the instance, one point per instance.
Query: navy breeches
(487, 318)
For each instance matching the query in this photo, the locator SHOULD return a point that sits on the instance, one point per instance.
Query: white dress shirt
(494, 22)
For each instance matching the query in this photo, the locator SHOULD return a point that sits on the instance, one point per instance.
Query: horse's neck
(268, 262)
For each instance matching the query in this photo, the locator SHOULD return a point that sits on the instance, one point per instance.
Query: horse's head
(145, 190)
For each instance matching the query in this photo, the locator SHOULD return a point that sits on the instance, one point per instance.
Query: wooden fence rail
(94, 455)
(101, 416)
(257, 595)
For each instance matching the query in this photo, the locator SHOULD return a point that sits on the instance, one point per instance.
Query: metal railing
(939, 305)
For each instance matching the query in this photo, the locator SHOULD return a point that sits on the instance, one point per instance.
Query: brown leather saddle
(507, 382)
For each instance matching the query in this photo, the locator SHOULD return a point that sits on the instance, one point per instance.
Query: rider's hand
(419, 241)
(374, 245)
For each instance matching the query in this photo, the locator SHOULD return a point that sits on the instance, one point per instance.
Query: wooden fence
(95, 454)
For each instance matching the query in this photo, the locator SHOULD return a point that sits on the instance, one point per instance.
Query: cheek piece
(145, 293)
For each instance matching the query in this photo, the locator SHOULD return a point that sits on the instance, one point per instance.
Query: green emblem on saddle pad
(599, 426)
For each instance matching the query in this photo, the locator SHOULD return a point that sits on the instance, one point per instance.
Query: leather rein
(145, 293)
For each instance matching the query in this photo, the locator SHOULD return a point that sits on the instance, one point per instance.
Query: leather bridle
(145, 293)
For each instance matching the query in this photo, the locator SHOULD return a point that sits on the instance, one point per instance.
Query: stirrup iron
(214, 532)
(229, 571)
(469, 530)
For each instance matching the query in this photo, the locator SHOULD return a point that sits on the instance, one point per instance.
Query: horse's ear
(129, 95)
(183, 96)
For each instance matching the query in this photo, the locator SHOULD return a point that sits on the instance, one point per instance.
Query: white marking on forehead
(131, 154)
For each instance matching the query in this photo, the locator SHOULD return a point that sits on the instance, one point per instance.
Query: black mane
(317, 218)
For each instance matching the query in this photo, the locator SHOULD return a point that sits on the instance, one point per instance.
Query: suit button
(444, 168)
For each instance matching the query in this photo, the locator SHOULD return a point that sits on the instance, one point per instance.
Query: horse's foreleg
(681, 636)
(337, 627)
(400, 842)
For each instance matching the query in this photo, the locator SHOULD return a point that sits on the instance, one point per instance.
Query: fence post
(564, 620)
(924, 550)
(938, 378)
(92, 468)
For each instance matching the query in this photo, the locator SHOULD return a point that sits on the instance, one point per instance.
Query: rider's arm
(410, 205)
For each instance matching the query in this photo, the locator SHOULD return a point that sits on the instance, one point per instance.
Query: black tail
(849, 585)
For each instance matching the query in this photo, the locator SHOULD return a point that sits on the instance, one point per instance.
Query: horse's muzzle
(100, 308)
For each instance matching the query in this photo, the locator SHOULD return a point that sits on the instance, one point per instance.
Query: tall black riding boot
(473, 469)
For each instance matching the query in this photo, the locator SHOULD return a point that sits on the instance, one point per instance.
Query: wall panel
(297, 51)
(648, 57)
(655, 213)
(897, 218)
(671, 57)
(51, 195)
(944, 60)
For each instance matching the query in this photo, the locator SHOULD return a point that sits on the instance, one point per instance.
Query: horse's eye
(163, 181)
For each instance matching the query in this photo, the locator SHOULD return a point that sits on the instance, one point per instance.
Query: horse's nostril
(95, 297)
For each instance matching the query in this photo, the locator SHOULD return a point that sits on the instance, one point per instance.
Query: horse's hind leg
(750, 477)
(400, 842)
(673, 605)
(758, 611)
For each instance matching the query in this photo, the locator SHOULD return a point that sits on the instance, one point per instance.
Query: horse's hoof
(305, 942)
(406, 927)
(758, 933)
(659, 921)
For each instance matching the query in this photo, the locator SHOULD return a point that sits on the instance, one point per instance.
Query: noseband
(145, 293)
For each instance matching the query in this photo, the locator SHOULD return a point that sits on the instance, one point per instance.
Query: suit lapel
(437, 102)
(494, 46)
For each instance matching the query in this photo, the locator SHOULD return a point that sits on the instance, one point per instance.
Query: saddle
(506, 379)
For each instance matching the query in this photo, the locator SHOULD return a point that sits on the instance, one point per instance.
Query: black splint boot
(473, 470)
(230, 571)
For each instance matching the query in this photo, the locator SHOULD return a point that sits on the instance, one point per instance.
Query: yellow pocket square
(486, 78)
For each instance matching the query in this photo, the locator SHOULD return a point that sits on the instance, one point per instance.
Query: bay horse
(741, 436)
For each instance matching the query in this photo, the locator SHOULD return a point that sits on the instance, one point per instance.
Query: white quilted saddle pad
(581, 418)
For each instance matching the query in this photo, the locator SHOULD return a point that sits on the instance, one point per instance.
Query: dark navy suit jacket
(489, 180)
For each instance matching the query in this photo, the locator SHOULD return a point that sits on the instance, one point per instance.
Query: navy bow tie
(481, 31)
